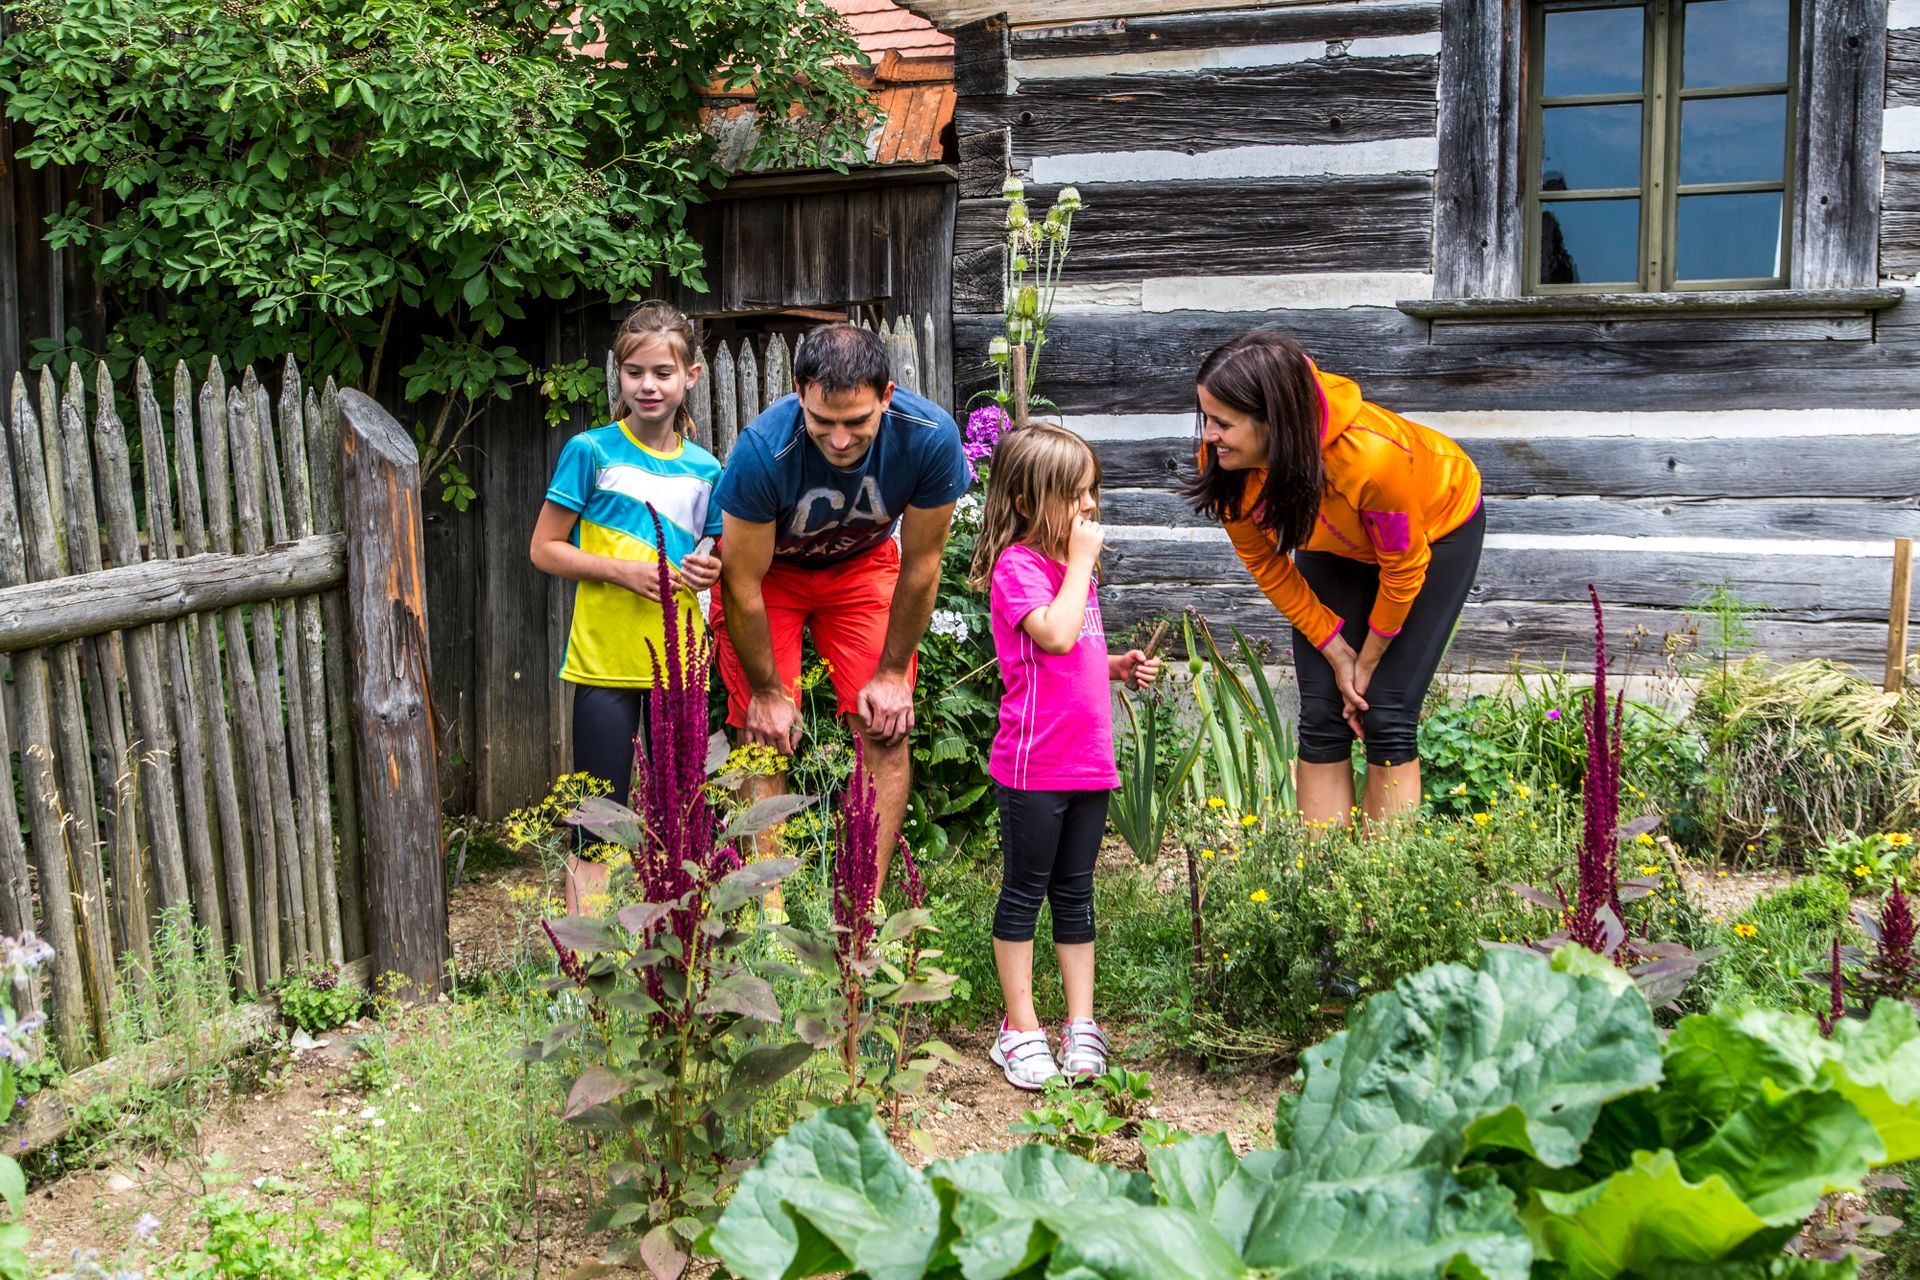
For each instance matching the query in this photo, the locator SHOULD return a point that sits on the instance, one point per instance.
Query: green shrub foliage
(1524, 1119)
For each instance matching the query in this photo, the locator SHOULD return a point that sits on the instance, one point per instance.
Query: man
(812, 492)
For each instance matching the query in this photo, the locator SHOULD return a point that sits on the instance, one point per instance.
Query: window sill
(1718, 315)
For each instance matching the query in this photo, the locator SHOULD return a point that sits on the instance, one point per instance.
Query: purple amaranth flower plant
(1836, 994)
(856, 866)
(1893, 958)
(984, 427)
(1598, 884)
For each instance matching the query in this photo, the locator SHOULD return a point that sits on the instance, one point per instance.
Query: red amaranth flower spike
(1893, 957)
(1836, 994)
(856, 866)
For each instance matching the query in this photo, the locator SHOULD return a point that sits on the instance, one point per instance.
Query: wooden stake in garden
(1897, 611)
(1017, 364)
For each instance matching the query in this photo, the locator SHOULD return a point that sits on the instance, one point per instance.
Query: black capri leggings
(1048, 843)
(1399, 684)
(606, 723)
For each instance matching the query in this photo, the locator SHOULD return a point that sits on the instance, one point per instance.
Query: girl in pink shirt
(1037, 554)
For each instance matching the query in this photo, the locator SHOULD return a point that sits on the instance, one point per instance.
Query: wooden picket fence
(207, 638)
(740, 382)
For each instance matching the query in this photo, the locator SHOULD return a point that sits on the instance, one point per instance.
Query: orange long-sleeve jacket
(1392, 487)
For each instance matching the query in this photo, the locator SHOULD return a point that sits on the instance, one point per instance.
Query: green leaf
(1640, 1216)
(1783, 1152)
(745, 994)
(1451, 1060)
(1189, 1175)
(1011, 1206)
(596, 1085)
(761, 814)
(758, 1068)
(751, 881)
(1878, 1070)
(13, 1184)
(588, 935)
(831, 1195)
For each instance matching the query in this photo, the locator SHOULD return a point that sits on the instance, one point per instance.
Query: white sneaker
(1083, 1049)
(1024, 1057)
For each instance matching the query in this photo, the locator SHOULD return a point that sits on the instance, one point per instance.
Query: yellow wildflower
(1459, 790)
(1523, 791)
(1206, 853)
(1248, 819)
(1643, 838)
(1648, 869)
(1745, 930)
(1483, 818)
(1216, 802)
(1258, 895)
(1863, 871)
(1898, 839)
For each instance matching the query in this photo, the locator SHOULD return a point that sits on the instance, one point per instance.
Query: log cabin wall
(1287, 166)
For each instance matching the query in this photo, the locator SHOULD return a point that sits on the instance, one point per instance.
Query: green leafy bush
(951, 805)
(316, 1000)
(1525, 1119)
(1780, 937)
(256, 1242)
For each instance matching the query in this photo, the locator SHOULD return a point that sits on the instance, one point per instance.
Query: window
(1624, 155)
(1659, 145)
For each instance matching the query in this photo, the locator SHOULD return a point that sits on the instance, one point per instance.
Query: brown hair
(1269, 376)
(1037, 474)
(656, 319)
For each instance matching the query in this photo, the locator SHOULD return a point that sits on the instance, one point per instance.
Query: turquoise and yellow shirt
(610, 478)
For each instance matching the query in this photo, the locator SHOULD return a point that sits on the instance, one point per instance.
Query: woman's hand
(1135, 669)
(1351, 680)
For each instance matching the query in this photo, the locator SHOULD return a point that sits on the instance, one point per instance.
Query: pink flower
(1554, 714)
(984, 426)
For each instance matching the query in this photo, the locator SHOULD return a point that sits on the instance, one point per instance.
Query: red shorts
(844, 607)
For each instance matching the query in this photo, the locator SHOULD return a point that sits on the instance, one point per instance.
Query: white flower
(950, 623)
(968, 508)
(998, 351)
(1068, 200)
(1012, 188)
(146, 1226)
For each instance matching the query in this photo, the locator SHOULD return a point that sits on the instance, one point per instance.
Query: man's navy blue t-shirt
(821, 514)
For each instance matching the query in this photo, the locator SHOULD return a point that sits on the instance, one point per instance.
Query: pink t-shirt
(1056, 717)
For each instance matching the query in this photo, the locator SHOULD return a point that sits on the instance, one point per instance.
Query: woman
(1381, 518)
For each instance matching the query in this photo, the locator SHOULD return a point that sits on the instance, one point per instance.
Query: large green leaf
(1755, 1269)
(1010, 1205)
(1406, 1225)
(1783, 1152)
(1641, 1216)
(1454, 1060)
(1150, 1242)
(832, 1195)
(1877, 1068)
(1188, 1175)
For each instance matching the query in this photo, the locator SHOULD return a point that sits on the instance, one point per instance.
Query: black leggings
(1048, 843)
(608, 726)
(1399, 684)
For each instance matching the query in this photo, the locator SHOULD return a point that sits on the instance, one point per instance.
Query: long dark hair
(1270, 377)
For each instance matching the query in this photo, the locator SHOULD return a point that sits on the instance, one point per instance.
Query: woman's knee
(1393, 734)
(1325, 735)
(1017, 913)
(1072, 912)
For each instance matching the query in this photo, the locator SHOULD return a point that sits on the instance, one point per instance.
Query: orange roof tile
(883, 26)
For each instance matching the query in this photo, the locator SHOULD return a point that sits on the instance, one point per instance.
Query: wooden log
(263, 838)
(933, 362)
(273, 486)
(726, 402)
(1826, 518)
(1232, 29)
(1898, 607)
(400, 791)
(777, 380)
(1477, 231)
(985, 160)
(16, 879)
(143, 593)
(51, 1113)
(209, 700)
(700, 405)
(173, 639)
(1125, 363)
(1618, 466)
(748, 369)
(902, 358)
(153, 749)
(1328, 100)
(1279, 226)
(1841, 105)
(72, 966)
(1900, 215)
(102, 663)
(312, 666)
(250, 505)
(323, 452)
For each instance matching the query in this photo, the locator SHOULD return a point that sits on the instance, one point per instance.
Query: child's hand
(1137, 670)
(642, 577)
(698, 573)
(1084, 543)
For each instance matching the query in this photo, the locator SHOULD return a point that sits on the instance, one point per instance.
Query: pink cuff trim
(1321, 647)
(1385, 635)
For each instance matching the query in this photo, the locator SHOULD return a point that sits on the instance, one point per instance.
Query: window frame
(1831, 240)
(1662, 101)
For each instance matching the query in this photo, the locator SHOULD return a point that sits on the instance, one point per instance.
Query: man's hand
(773, 721)
(886, 704)
(1136, 669)
(698, 573)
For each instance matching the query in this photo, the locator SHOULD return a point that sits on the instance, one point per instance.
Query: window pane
(1593, 51)
(1734, 42)
(1733, 139)
(1587, 147)
(1734, 237)
(1589, 241)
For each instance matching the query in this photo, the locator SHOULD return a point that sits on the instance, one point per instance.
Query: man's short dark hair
(838, 358)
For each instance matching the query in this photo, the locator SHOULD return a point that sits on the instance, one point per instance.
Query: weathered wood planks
(1230, 29)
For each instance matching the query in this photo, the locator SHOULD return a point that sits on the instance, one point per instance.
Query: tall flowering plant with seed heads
(678, 1035)
(1037, 248)
(1595, 916)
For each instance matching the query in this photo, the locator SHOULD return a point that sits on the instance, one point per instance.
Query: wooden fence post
(1898, 607)
(399, 777)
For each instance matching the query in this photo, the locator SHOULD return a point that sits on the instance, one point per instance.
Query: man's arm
(887, 700)
(772, 719)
